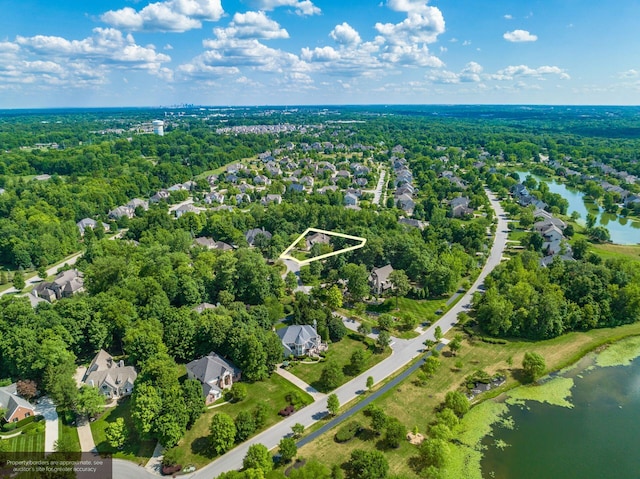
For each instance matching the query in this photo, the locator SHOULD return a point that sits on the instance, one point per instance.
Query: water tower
(158, 127)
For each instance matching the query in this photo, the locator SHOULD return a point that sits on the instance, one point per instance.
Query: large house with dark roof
(16, 407)
(66, 284)
(112, 378)
(379, 279)
(215, 373)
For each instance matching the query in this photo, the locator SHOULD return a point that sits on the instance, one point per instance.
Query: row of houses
(403, 183)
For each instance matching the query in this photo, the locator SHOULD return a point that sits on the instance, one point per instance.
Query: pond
(596, 438)
(622, 230)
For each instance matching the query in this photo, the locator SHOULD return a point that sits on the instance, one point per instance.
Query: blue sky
(290, 52)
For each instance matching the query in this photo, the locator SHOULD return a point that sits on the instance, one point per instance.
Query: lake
(622, 230)
(597, 438)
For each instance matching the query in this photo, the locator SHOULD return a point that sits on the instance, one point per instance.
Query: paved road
(403, 352)
(377, 194)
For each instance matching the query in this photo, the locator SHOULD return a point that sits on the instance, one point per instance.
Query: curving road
(403, 352)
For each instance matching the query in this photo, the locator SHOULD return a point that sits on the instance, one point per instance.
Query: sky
(75, 53)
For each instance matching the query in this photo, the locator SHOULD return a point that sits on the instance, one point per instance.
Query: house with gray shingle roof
(379, 279)
(16, 407)
(215, 373)
(112, 378)
(300, 340)
(85, 223)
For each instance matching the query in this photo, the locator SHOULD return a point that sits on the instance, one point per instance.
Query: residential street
(403, 351)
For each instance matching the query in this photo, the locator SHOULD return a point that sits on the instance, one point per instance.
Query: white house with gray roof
(112, 378)
(300, 340)
(215, 373)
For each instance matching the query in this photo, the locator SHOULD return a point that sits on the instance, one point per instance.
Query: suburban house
(379, 279)
(16, 407)
(277, 199)
(111, 377)
(188, 208)
(300, 340)
(318, 238)
(215, 373)
(253, 234)
(405, 203)
(350, 199)
(421, 225)
(66, 284)
(121, 211)
(205, 241)
(89, 223)
(459, 207)
(160, 196)
(203, 307)
(138, 203)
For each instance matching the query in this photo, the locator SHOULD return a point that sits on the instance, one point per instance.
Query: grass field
(135, 449)
(340, 352)
(414, 405)
(31, 441)
(193, 448)
(67, 432)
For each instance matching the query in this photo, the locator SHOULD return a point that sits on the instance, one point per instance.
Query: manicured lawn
(67, 432)
(193, 448)
(31, 441)
(414, 405)
(617, 251)
(421, 309)
(135, 449)
(340, 352)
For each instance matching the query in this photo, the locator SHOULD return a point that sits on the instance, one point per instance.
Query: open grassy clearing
(135, 449)
(193, 448)
(340, 352)
(414, 405)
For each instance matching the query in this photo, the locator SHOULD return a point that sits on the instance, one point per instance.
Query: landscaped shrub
(347, 432)
(12, 426)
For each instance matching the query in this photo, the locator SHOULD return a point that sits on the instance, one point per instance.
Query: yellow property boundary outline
(285, 254)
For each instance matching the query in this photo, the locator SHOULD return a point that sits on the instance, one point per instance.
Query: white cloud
(345, 34)
(632, 73)
(255, 25)
(409, 6)
(508, 16)
(466, 43)
(320, 54)
(471, 73)
(518, 36)
(52, 60)
(301, 7)
(168, 16)
(421, 27)
(514, 71)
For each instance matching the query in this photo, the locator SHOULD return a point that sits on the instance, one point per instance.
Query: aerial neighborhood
(221, 281)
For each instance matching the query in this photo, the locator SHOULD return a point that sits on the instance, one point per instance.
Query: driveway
(47, 409)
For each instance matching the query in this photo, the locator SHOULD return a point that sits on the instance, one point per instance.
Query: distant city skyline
(297, 52)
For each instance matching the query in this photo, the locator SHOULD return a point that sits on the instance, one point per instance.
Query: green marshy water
(592, 433)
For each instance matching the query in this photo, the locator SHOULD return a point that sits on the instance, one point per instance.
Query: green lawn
(134, 450)
(67, 432)
(193, 448)
(421, 309)
(340, 352)
(30, 441)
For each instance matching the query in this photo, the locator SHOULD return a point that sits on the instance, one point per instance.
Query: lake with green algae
(592, 433)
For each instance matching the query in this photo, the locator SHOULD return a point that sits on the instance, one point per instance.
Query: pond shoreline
(478, 427)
